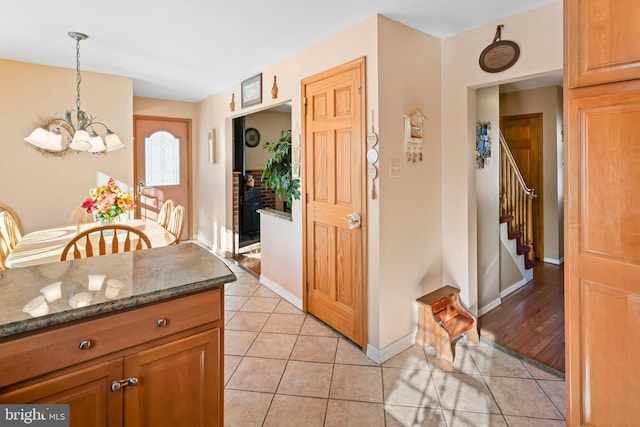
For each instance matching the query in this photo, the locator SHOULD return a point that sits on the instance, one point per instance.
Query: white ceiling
(187, 50)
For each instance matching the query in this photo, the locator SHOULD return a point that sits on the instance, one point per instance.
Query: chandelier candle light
(49, 136)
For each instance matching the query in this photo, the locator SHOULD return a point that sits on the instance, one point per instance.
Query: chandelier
(61, 133)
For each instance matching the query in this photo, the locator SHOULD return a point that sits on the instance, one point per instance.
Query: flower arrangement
(108, 201)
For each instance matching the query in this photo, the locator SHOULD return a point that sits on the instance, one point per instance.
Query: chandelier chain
(78, 78)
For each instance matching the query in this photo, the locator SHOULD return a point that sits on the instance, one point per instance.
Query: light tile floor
(286, 368)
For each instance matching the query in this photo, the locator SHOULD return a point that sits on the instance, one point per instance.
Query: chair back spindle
(176, 222)
(10, 229)
(106, 239)
(165, 213)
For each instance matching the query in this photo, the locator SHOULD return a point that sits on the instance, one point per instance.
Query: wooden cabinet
(159, 365)
(87, 391)
(602, 211)
(175, 383)
(601, 40)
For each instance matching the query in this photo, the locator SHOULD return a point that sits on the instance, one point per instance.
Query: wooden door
(179, 384)
(602, 211)
(602, 275)
(162, 166)
(335, 188)
(86, 391)
(523, 134)
(601, 37)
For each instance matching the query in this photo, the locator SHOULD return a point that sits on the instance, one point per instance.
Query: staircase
(516, 212)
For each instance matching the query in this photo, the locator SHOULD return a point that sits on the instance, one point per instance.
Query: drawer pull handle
(117, 385)
(161, 322)
(85, 345)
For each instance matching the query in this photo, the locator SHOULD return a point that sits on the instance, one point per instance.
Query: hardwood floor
(530, 321)
(250, 260)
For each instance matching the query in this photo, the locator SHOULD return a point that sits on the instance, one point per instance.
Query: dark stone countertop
(130, 279)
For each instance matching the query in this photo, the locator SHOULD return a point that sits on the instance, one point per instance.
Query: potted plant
(277, 172)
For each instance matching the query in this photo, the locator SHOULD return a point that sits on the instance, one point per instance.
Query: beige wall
(487, 193)
(548, 101)
(510, 274)
(409, 234)
(269, 124)
(541, 53)
(44, 190)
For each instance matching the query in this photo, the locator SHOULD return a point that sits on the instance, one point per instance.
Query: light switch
(394, 168)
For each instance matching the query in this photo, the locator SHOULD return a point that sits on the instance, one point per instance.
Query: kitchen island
(127, 339)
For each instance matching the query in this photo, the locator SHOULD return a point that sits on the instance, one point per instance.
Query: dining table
(46, 246)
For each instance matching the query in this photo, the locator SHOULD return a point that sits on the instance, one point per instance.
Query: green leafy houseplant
(277, 172)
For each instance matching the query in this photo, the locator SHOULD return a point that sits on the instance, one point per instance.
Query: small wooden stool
(442, 320)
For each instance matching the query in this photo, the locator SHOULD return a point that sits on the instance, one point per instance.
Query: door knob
(353, 219)
(141, 185)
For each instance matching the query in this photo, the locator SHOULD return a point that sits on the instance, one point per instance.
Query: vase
(107, 221)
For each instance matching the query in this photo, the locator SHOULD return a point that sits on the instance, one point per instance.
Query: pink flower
(89, 205)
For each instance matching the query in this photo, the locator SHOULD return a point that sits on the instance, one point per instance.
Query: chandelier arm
(66, 117)
(58, 121)
(98, 123)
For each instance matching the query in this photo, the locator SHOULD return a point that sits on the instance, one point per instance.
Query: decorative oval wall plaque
(500, 54)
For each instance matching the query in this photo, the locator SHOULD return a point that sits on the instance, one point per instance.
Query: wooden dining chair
(13, 213)
(176, 222)
(165, 213)
(81, 216)
(4, 252)
(104, 240)
(10, 229)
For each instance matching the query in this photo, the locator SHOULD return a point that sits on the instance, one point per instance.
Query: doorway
(162, 166)
(525, 314)
(524, 136)
(250, 194)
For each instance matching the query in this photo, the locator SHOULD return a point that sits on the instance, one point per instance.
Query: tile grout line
(564, 418)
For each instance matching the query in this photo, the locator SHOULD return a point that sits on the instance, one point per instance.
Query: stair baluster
(516, 201)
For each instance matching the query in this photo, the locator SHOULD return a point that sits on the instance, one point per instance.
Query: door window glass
(162, 159)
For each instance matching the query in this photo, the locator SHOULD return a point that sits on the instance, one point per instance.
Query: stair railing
(516, 199)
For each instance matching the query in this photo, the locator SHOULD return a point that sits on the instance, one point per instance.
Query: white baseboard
(554, 260)
(286, 295)
(511, 289)
(202, 240)
(209, 245)
(487, 308)
(388, 352)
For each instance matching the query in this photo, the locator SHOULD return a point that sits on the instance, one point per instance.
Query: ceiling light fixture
(81, 136)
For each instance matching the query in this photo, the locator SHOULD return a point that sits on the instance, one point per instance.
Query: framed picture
(413, 134)
(252, 91)
(212, 145)
(296, 149)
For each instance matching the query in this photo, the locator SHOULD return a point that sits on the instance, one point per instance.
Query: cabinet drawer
(41, 353)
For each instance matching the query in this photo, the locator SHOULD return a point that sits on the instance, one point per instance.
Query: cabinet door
(179, 383)
(601, 39)
(86, 391)
(602, 276)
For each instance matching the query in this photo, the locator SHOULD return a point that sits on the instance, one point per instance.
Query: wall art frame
(483, 144)
(251, 91)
